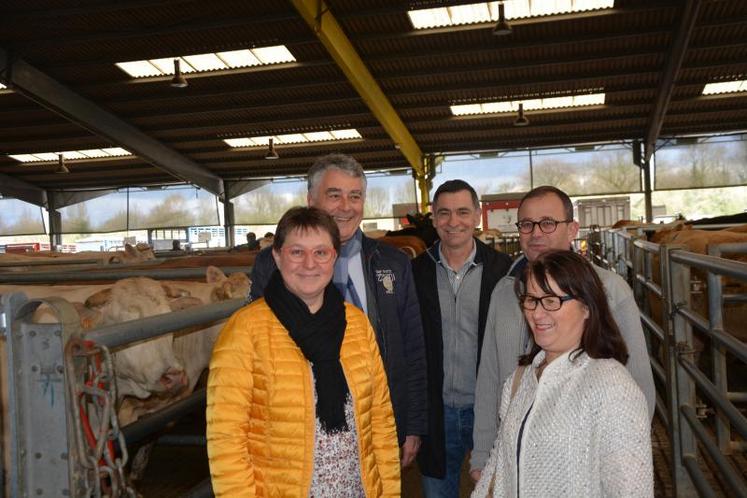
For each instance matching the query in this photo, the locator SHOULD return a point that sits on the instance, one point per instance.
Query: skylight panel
(429, 18)
(24, 158)
(47, 156)
(117, 151)
(319, 136)
(261, 140)
(529, 105)
(205, 62)
(488, 11)
(72, 155)
(273, 55)
(239, 142)
(469, 14)
(292, 138)
(239, 58)
(349, 134)
(139, 69)
(93, 153)
(725, 87)
(295, 138)
(208, 62)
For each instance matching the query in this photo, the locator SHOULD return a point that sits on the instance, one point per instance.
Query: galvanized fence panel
(689, 392)
(44, 459)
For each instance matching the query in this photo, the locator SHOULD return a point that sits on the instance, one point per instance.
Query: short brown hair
(575, 276)
(304, 219)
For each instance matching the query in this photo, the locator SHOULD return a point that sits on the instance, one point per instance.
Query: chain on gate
(99, 443)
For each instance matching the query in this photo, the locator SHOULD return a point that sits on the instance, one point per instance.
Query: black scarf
(319, 335)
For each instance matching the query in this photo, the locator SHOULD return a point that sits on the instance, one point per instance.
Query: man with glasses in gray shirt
(545, 223)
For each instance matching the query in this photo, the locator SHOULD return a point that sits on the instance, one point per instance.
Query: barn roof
(650, 58)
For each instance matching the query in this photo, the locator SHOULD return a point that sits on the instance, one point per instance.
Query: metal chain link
(93, 394)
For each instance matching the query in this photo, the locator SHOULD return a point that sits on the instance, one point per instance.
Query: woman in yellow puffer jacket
(298, 403)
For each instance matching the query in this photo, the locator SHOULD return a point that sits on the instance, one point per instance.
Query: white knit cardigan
(587, 434)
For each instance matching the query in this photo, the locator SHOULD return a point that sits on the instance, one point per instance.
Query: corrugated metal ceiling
(622, 51)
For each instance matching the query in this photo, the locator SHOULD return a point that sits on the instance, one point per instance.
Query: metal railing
(662, 277)
(45, 458)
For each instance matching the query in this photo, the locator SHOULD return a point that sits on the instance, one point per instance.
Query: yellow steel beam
(317, 15)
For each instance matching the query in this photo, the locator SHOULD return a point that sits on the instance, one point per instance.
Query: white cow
(154, 373)
(130, 255)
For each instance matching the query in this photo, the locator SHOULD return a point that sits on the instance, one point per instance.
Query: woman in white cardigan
(573, 422)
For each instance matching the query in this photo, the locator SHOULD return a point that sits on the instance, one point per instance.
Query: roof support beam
(317, 15)
(672, 68)
(39, 87)
(18, 189)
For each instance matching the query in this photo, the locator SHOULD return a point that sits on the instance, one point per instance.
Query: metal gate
(703, 418)
(48, 455)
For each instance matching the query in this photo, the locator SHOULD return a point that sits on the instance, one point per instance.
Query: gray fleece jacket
(507, 337)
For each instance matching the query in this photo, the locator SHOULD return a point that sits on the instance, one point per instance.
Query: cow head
(145, 367)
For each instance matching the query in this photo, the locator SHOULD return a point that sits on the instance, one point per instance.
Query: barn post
(424, 181)
(647, 191)
(229, 223)
(55, 222)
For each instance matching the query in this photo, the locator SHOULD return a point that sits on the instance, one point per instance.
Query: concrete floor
(173, 470)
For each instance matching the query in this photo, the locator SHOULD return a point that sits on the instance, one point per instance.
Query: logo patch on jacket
(386, 277)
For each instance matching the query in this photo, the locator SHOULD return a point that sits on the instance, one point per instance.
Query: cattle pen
(149, 148)
(700, 414)
(698, 357)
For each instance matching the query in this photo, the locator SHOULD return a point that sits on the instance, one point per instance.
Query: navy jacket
(432, 454)
(395, 316)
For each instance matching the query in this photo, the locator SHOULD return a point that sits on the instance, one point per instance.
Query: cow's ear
(89, 319)
(99, 299)
(214, 275)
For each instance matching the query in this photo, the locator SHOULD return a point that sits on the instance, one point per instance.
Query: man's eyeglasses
(320, 255)
(546, 225)
(550, 303)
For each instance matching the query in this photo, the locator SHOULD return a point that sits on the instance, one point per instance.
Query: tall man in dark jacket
(378, 279)
(455, 277)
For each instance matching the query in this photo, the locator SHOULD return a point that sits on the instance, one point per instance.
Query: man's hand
(409, 450)
(475, 474)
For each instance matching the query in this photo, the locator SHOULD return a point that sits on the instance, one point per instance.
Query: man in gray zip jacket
(545, 223)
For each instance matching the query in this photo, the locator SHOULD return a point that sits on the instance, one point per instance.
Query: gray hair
(341, 162)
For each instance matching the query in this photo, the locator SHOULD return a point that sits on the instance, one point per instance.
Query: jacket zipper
(313, 427)
(518, 448)
(372, 292)
(357, 433)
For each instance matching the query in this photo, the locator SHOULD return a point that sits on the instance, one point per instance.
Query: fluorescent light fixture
(529, 105)
(486, 12)
(725, 87)
(71, 155)
(3, 87)
(208, 62)
(295, 138)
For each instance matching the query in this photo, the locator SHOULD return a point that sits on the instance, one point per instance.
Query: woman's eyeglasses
(546, 226)
(320, 255)
(550, 303)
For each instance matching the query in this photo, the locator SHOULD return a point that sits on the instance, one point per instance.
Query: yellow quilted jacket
(261, 414)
